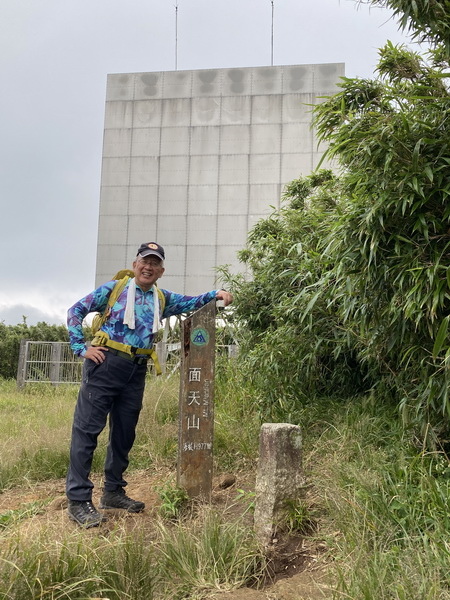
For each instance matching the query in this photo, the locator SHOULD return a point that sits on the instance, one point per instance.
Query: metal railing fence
(55, 363)
(48, 362)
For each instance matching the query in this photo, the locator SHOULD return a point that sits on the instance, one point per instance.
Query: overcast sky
(54, 59)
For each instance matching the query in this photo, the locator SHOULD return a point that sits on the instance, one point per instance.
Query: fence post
(55, 364)
(196, 402)
(21, 366)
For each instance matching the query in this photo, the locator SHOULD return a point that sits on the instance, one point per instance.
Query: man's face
(147, 271)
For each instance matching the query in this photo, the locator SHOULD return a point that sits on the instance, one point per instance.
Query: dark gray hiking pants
(115, 388)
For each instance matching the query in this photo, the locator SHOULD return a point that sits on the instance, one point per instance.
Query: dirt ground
(298, 570)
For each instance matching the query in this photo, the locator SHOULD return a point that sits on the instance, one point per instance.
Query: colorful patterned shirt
(141, 336)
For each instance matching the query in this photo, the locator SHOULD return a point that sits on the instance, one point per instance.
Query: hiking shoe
(84, 513)
(119, 499)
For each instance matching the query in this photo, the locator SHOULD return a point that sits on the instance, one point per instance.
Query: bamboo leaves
(351, 278)
(441, 337)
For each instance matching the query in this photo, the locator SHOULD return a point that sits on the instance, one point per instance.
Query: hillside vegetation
(343, 326)
(350, 280)
(373, 523)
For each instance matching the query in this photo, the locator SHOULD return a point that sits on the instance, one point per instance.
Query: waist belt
(126, 351)
(135, 358)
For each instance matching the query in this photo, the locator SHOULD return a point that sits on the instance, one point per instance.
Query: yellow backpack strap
(155, 359)
(117, 290)
(153, 353)
(123, 273)
(100, 319)
(162, 300)
(102, 339)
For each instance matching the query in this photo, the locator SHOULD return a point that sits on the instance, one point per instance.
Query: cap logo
(153, 246)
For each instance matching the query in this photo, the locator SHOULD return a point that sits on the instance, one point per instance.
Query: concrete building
(193, 159)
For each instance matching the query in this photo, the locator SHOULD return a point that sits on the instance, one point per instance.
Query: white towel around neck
(129, 308)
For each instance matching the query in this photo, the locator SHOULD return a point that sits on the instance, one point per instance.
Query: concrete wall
(193, 159)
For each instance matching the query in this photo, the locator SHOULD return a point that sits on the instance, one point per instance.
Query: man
(114, 378)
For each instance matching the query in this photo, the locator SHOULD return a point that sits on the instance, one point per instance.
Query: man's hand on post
(225, 296)
(96, 353)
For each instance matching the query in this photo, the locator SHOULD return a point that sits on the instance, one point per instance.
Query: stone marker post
(279, 476)
(196, 404)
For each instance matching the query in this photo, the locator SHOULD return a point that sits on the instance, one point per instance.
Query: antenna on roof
(271, 41)
(176, 36)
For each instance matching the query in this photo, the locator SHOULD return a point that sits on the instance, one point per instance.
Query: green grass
(181, 560)
(209, 554)
(173, 501)
(34, 432)
(377, 502)
(386, 501)
(77, 567)
(11, 517)
(35, 429)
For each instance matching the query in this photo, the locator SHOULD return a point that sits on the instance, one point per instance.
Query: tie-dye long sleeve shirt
(141, 336)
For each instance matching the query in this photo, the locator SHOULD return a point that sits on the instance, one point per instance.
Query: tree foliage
(391, 248)
(425, 20)
(10, 336)
(291, 337)
(351, 280)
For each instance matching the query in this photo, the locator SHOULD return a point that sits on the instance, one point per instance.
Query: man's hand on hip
(96, 353)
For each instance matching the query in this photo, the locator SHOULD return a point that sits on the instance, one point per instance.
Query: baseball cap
(148, 248)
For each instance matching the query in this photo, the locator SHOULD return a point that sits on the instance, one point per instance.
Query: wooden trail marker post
(196, 403)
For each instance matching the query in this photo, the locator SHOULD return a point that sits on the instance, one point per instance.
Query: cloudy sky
(54, 59)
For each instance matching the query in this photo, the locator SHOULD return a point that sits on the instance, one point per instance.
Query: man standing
(114, 378)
